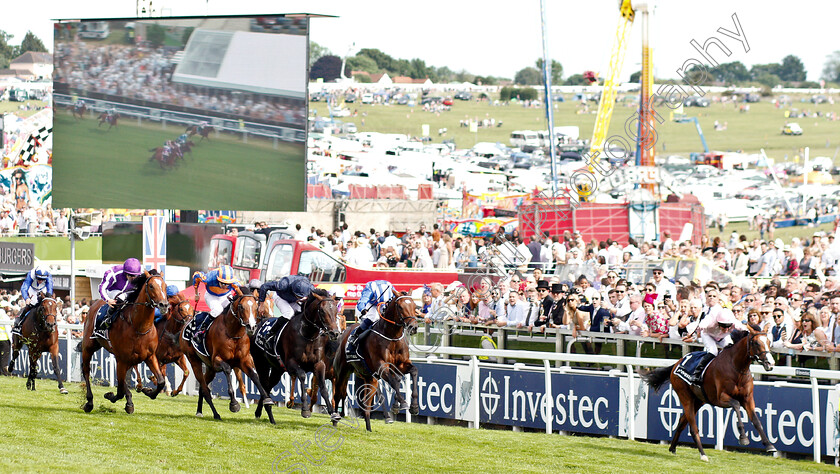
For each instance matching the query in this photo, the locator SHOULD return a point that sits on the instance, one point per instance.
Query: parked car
(350, 98)
(463, 96)
(448, 101)
(367, 98)
(792, 129)
(522, 160)
(819, 99)
(696, 101)
(350, 128)
(431, 100)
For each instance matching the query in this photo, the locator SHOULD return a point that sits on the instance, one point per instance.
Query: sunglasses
(737, 310)
(619, 291)
(750, 300)
(657, 273)
(765, 312)
(778, 316)
(543, 289)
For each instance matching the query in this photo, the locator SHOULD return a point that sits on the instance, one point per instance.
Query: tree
(418, 69)
(185, 38)
(831, 68)
(763, 70)
(730, 73)
(327, 68)
(636, 77)
(577, 80)
(7, 51)
(486, 80)
(360, 62)
(769, 80)
(528, 76)
(792, 69)
(32, 43)
(383, 61)
(156, 35)
(316, 51)
(556, 71)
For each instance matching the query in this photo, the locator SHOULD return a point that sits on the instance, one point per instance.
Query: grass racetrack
(44, 431)
(94, 167)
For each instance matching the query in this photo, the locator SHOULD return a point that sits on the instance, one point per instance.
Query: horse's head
(760, 348)
(320, 309)
(180, 309)
(48, 313)
(244, 308)
(403, 312)
(154, 289)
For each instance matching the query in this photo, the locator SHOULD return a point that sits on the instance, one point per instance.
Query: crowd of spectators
(11, 303)
(145, 73)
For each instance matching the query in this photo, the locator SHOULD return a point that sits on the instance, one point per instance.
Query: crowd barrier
(799, 414)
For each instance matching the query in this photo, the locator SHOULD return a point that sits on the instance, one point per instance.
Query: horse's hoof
(306, 413)
(150, 393)
(234, 406)
(110, 397)
(771, 449)
(199, 414)
(175, 393)
(704, 458)
(744, 440)
(335, 417)
(63, 391)
(88, 407)
(217, 417)
(414, 409)
(267, 402)
(672, 451)
(129, 409)
(396, 408)
(290, 404)
(389, 421)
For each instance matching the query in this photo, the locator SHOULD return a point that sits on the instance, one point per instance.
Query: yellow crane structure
(627, 11)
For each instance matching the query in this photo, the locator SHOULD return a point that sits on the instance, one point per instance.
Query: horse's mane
(320, 292)
(139, 281)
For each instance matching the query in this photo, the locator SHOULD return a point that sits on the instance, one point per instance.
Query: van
(94, 29)
(527, 140)
(367, 98)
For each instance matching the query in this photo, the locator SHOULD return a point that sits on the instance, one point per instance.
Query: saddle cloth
(267, 337)
(99, 329)
(18, 327)
(693, 366)
(196, 332)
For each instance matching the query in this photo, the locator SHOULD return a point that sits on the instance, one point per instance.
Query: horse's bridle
(148, 304)
(41, 317)
(321, 329)
(756, 357)
(393, 302)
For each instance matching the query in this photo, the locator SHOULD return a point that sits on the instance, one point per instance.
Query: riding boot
(360, 332)
(19, 320)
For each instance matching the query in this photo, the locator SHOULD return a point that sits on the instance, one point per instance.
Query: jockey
(171, 290)
(375, 292)
(37, 281)
(79, 103)
(219, 285)
(717, 330)
(117, 282)
(181, 139)
(289, 293)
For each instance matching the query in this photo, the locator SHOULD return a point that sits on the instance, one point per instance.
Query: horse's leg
(340, 391)
(292, 389)
(273, 378)
(16, 343)
(182, 363)
(87, 354)
(319, 381)
(57, 368)
(264, 372)
(749, 405)
(414, 409)
(199, 376)
(238, 373)
(690, 410)
(247, 366)
(297, 372)
(152, 363)
(139, 385)
(209, 374)
(678, 433)
(33, 368)
(393, 377)
(368, 403)
(234, 405)
(742, 435)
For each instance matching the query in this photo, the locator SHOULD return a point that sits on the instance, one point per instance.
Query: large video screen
(181, 113)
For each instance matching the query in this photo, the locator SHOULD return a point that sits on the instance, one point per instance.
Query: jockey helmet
(171, 290)
(301, 288)
(254, 284)
(226, 274)
(132, 267)
(41, 274)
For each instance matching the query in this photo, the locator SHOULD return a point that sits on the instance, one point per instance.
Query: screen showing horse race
(181, 113)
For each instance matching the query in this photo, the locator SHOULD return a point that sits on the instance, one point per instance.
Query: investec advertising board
(596, 404)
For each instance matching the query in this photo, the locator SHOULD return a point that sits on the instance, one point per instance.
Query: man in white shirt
(517, 311)
(663, 285)
(636, 321)
(668, 244)
(741, 261)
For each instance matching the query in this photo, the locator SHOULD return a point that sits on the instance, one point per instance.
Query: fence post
(549, 397)
(558, 346)
(631, 428)
(69, 352)
(476, 390)
(815, 407)
(719, 431)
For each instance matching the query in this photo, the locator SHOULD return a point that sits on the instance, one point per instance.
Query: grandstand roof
(264, 63)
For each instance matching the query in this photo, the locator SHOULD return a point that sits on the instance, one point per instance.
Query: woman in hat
(655, 320)
(813, 338)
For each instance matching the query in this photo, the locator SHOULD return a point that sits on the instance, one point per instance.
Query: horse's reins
(393, 302)
(756, 357)
(238, 317)
(147, 304)
(39, 325)
(320, 329)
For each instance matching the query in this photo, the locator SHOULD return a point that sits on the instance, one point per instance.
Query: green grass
(760, 128)
(43, 431)
(95, 167)
(9, 107)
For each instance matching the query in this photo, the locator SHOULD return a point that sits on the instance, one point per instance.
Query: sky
(498, 38)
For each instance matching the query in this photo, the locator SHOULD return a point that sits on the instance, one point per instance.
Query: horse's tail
(656, 377)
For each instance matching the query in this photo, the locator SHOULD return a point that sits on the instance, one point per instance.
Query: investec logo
(780, 424)
(524, 405)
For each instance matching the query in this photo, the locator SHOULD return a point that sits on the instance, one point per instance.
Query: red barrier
(383, 192)
(424, 191)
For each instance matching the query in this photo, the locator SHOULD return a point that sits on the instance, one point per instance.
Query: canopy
(814, 177)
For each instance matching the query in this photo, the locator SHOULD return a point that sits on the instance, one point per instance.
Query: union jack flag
(154, 243)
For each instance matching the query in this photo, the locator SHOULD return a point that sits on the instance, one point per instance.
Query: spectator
(516, 311)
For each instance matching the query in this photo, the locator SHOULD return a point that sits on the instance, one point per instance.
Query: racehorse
(132, 338)
(111, 119)
(79, 111)
(727, 382)
(227, 348)
(204, 131)
(39, 334)
(384, 355)
(303, 343)
(169, 333)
